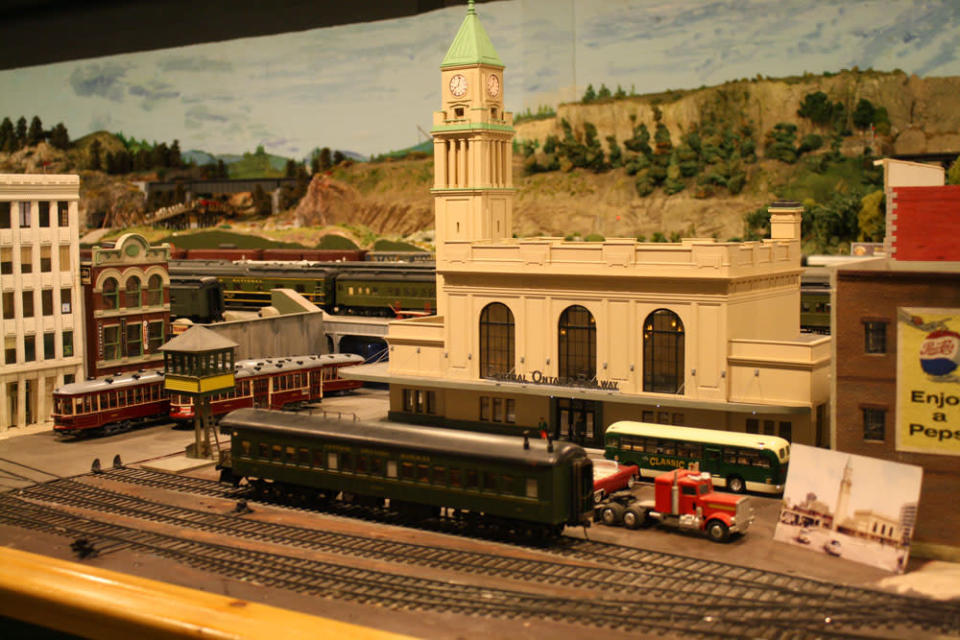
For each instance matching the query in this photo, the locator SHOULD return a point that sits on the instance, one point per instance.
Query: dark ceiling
(36, 32)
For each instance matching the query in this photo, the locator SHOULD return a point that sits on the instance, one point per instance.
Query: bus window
(362, 463)
(439, 475)
(263, 450)
(318, 458)
(408, 471)
(376, 465)
(666, 447)
(346, 461)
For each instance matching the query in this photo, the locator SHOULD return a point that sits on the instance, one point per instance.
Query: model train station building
(582, 334)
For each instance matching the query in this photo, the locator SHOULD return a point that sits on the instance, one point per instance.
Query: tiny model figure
(683, 499)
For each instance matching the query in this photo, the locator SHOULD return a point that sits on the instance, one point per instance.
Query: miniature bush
(594, 237)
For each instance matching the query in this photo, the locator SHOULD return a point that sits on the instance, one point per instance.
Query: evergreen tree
(290, 170)
(817, 108)
(8, 137)
(620, 93)
(593, 157)
(326, 160)
(615, 155)
(175, 159)
(953, 173)
(603, 93)
(262, 205)
(94, 162)
(589, 95)
(59, 137)
(35, 134)
(222, 172)
(338, 157)
(21, 132)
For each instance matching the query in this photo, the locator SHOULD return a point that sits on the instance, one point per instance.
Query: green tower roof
(472, 44)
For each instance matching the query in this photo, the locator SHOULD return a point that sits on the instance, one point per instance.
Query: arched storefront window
(663, 352)
(133, 292)
(154, 290)
(496, 340)
(577, 344)
(110, 294)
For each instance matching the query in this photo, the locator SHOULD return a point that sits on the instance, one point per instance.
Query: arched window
(154, 290)
(496, 340)
(133, 292)
(663, 352)
(111, 299)
(577, 344)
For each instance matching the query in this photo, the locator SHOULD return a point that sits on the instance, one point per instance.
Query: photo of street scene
(848, 506)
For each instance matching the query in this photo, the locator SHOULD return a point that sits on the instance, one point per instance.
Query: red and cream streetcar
(120, 402)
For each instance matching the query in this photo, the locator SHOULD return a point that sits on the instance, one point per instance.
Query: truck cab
(683, 499)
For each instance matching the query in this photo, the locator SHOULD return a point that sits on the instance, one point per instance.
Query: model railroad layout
(573, 581)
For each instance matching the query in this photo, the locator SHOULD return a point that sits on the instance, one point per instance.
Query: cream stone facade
(577, 335)
(41, 301)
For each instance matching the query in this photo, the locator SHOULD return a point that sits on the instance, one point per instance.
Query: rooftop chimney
(785, 216)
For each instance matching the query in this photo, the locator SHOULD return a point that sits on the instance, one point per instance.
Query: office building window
(65, 258)
(46, 302)
(134, 340)
(6, 260)
(8, 311)
(43, 214)
(154, 336)
(49, 345)
(69, 378)
(26, 259)
(10, 349)
(132, 297)
(28, 304)
(874, 423)
(753, 425)
(663, 352)
(496, 340)
(29, 348)
(66, 301)
(4, 215)
(786, 430)
(111, 342)
(577, 344)
(875, 337)
(67, 344)
(24, 214)
(45, 264)
(63, 214)
(155, 290)
(110, 294)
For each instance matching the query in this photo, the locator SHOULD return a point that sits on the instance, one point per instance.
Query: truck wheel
(736, 484)
(611, 514)
(633, 519)
(718, 531)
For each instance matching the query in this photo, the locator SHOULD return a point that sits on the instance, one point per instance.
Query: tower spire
(471, 7)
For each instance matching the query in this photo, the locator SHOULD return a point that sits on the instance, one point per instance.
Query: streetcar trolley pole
(199, 363)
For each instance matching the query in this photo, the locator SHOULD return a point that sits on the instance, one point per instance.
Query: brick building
(126, 293)
(896, 330)
(42, 338)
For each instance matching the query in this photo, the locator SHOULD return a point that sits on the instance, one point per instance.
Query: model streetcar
(275, 383)
(529, 487)
(117, 403)
(372, 288)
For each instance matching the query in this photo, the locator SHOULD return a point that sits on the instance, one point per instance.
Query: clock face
(458, 85)
(493, 86)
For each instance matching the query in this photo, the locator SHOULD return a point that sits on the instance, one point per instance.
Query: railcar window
(391, 468)
(456, 478)
(346, 461)
(318, 458)
(362, 464)
(277, 451)
(376, 465)
(333, 461)
(245, 447)
(303, 456)
(498, 409)
(532, 488)
(264, 450)
(472, 479)
(423, 473)
(511, 416)
(439, 475)
(408, 471)
(489, 481)
(511, 485)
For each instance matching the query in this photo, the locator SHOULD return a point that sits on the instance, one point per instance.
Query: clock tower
(472, 145)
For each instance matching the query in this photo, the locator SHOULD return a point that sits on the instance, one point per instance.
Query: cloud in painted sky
(102, 80)
(194, 63)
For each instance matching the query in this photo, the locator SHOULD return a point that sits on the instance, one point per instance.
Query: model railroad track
(169, 481)
(712, 589)
(673, 616)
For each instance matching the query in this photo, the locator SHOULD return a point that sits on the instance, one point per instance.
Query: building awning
(379, 372)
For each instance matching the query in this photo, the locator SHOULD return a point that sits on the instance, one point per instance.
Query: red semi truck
(683, 499)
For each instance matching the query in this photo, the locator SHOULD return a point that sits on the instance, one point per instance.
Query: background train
(117, 403)
(312, 255)
(358, 288)
(526, 488)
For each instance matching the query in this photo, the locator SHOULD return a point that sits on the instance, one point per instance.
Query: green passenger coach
(738, 461)
(524, 485)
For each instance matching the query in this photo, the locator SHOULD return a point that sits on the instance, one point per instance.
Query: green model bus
(738, 461)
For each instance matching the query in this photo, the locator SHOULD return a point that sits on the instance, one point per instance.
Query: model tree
(59, 137)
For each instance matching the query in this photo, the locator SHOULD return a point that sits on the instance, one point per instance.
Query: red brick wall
(926, 223)
(871, 379)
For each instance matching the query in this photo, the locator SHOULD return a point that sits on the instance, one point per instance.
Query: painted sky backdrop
(367, 87)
